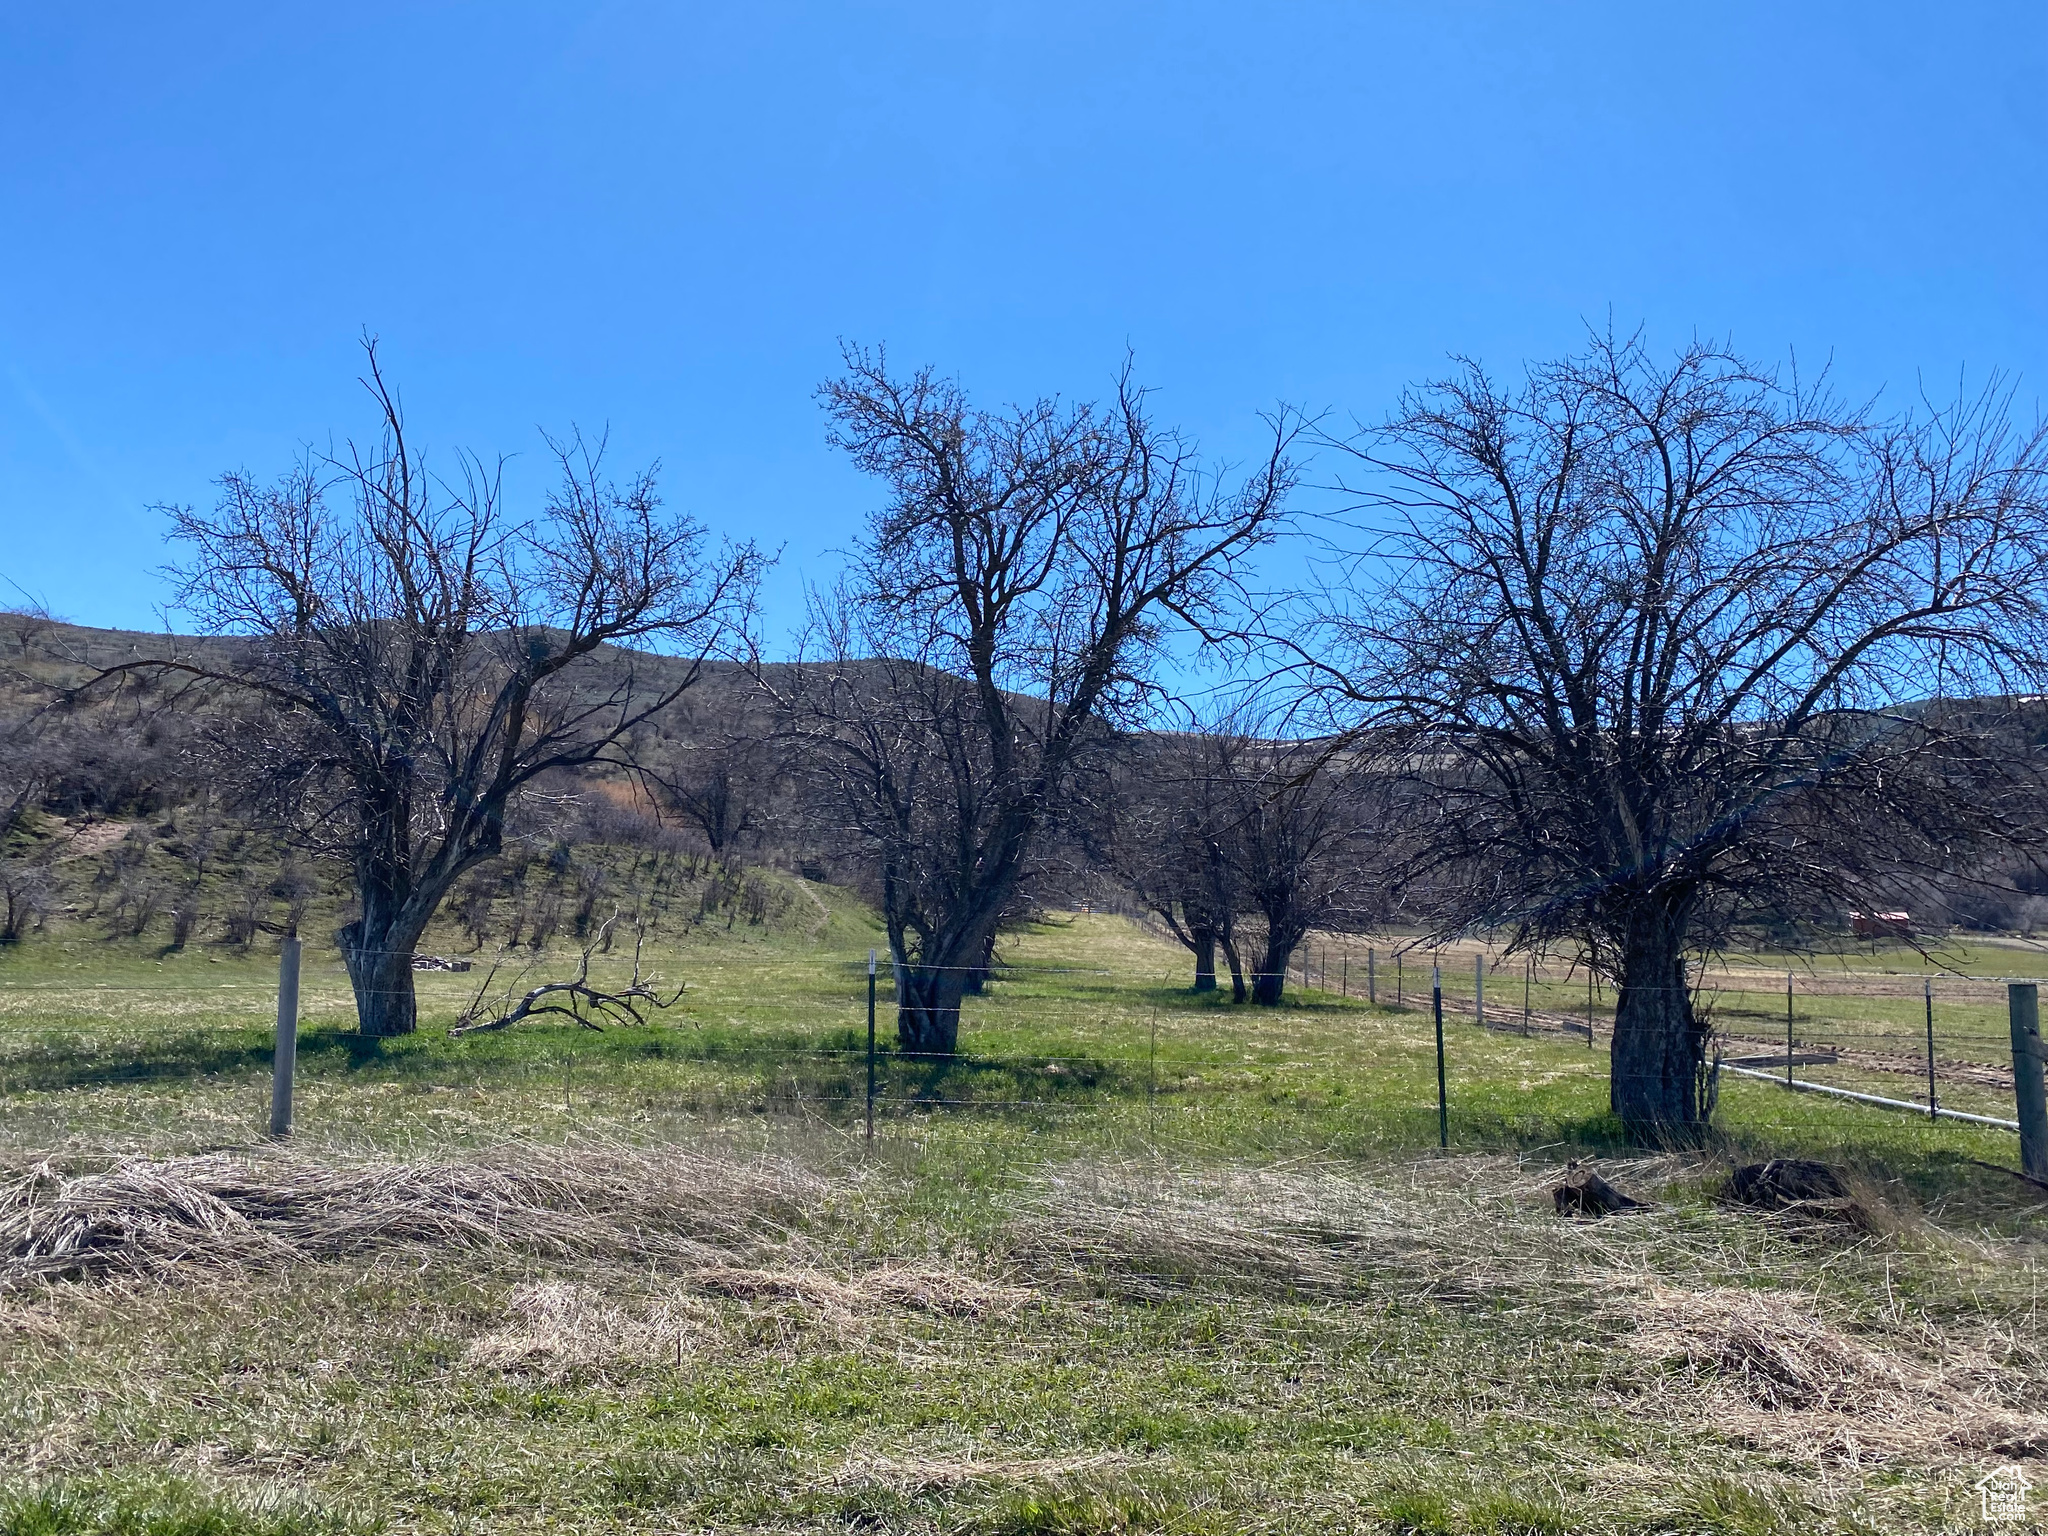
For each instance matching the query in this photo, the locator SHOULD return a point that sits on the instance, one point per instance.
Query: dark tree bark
(417, 659)
(1269, 982)
(1204, 946)
(1003, 611)
(1658, 1066)
(1238, 991)
(1665, 649)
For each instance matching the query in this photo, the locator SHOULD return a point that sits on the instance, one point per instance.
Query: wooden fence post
(284, 1057)
(2024, 1005)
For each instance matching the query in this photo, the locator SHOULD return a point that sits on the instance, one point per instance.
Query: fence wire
(1886, 1041)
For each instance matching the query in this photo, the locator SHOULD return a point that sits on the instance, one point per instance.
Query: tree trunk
(1205, 959)
(984, 971)
(1237, 987)
(928, 1009)
(1270, 984)
(1657, 1075)
(379, 959)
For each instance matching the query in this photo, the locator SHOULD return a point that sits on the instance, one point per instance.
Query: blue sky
(664, 218)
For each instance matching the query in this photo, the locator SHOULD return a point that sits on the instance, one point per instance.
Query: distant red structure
(1881, 925)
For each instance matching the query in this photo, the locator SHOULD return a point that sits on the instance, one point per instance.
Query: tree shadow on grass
(189, 1056)
(1022, 1080)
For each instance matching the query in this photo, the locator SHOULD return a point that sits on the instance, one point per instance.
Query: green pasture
(1470, 1363)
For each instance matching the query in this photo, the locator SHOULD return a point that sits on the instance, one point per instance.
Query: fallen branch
(591, 1007)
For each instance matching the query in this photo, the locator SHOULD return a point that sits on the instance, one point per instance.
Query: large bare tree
(412, 657)
(1007, 605)
(1663, 647)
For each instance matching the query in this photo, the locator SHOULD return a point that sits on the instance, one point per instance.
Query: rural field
(1139, 1261)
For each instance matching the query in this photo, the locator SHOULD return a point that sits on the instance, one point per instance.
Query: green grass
(1467, 1369)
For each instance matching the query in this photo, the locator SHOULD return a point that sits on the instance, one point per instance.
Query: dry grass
(794, 1313)
(558, 1325)
(1765, 1365)
(145, 1217)
(938, 1473)
(1762, 1363)
(1470, 1226)
(941, 1291)
(562, 1325)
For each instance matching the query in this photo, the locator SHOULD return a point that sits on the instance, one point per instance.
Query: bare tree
(416, 658)
(1234, 837)
(1170, 820)
(1663, 648)
(720, 788)
(1006, 606)
(1297, 841)
(24, 895)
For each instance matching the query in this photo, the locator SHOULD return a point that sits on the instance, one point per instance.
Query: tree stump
(1585, 1193)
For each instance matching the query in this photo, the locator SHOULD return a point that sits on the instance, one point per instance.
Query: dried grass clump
(940, 1474)
(1476, 1227)
(1767, 1348)
(1773, 1371)
(1758, 1363)
(916, 1288)
(146, 1217)
(558, 1324)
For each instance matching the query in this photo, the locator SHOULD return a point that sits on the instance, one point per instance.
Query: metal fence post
(1152, 1075)
(1400, 966)
(1479, 990)
(1344, 974)
(871, 1048)
(284, 1058)
(2024, 1005)
(1788, 1029)
(1372, 977)
(1443, 1103)
(1933, 1109)
(1528, 979)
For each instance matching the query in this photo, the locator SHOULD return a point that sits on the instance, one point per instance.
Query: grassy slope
(1478, 1380)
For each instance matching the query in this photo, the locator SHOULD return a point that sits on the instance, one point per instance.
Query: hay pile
(1768, 1349)
(144, 1217)
(1767, 1367)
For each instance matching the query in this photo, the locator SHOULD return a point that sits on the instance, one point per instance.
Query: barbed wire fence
(1936, 1046)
